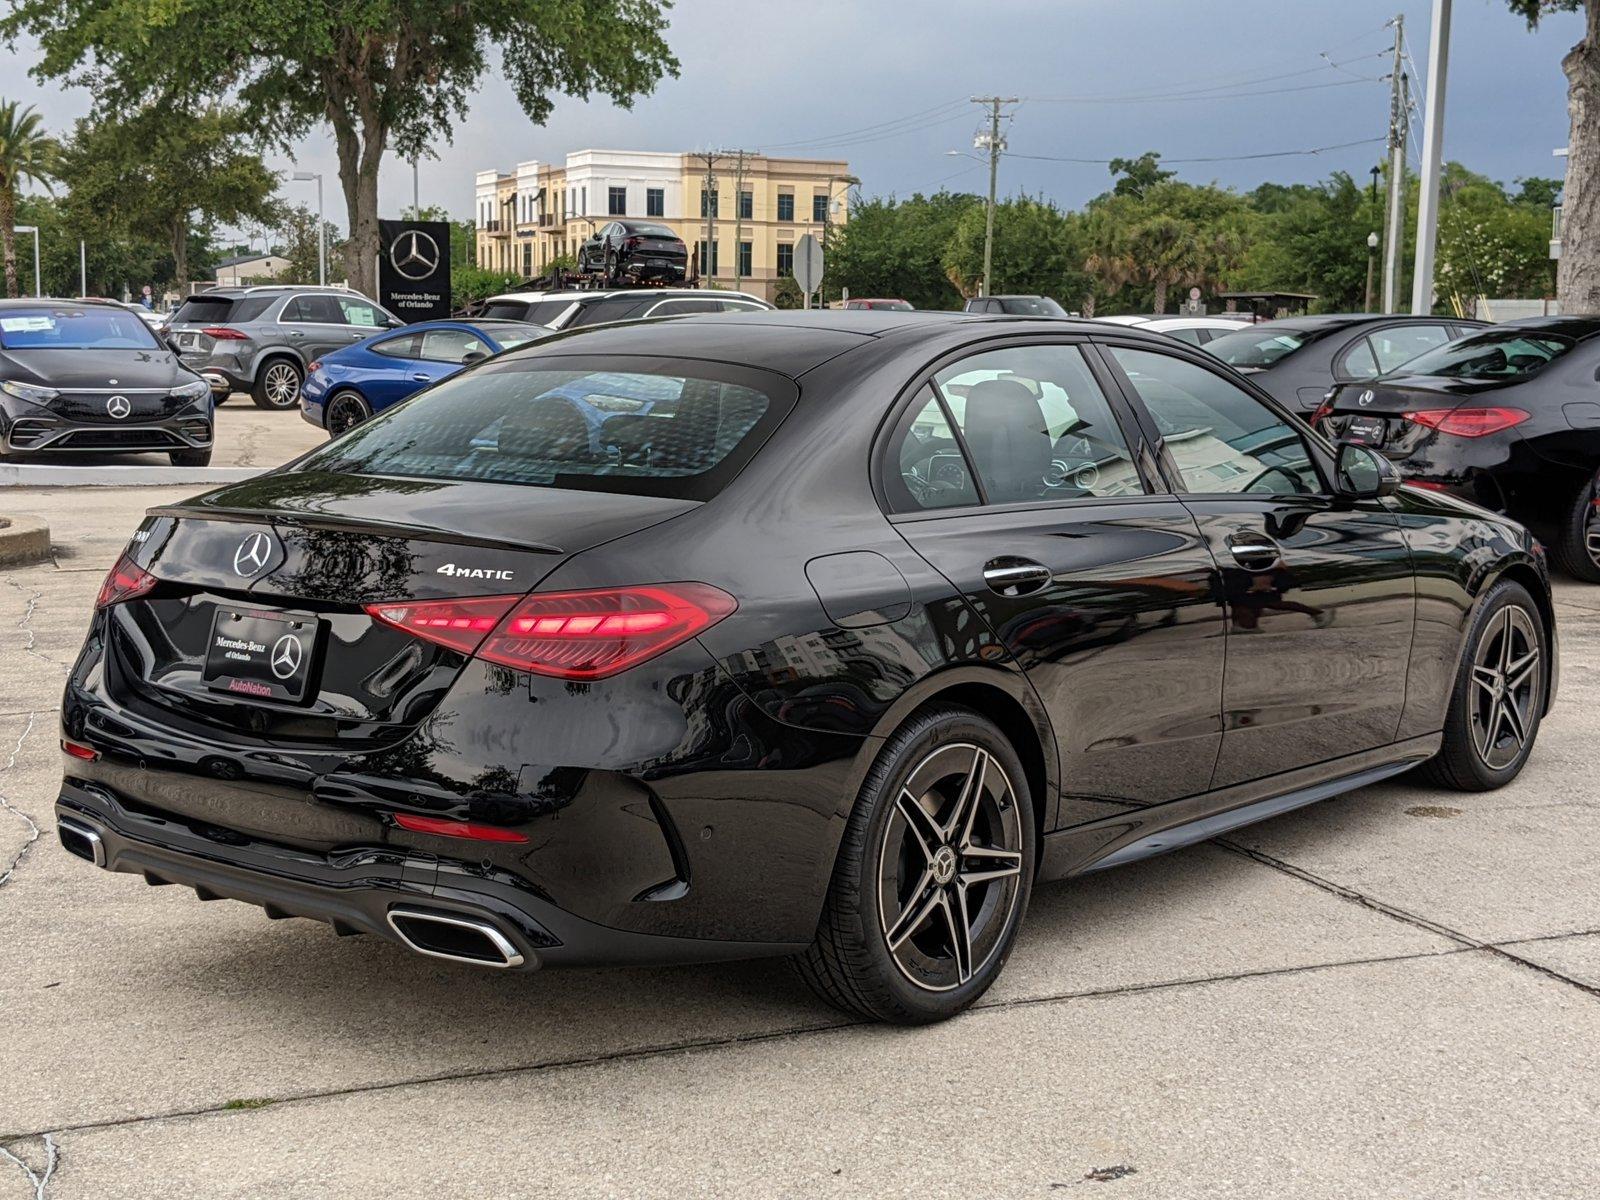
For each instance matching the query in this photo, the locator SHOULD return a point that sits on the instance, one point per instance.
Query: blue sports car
(346, 387)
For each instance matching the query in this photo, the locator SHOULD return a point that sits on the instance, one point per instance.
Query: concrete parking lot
(1394, 993)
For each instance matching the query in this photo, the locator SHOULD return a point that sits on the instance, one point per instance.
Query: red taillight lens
(1427, 485)
(632, 243)
(445, 827)
(569, 635)
(1324, 410)
(125, 581)
(1468, 422)
(223, 334)
(77, 750)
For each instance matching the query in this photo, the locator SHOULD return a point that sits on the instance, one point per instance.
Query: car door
(387, 377)
(1013, 473)
(315, 325)
(444, 352)
(1319, 590)
(363, 317)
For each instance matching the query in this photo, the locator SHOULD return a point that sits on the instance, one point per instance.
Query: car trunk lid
(1373, 413)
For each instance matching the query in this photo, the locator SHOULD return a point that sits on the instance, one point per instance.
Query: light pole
(322, 243)
(33, 229)
(1372, 258)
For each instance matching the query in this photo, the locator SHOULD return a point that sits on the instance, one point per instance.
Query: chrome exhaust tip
(454, 937)
(80, 838)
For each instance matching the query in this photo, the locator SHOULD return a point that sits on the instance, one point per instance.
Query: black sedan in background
(634, 250)
(88, 375)
(1508, 417)
(870, 622)
(1298, 359)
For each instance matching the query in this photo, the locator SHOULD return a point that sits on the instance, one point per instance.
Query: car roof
(608, 293)
(1574, 327)
(36, 301)
(1324, 322)
(789, 341)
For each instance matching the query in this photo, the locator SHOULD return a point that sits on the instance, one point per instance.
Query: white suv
(571, 310)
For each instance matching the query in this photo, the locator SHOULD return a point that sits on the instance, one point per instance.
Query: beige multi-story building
(757, 208)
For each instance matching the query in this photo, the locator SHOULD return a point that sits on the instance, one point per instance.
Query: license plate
(256, 654)
(188, 340)
(1369, 431)
(659, 262)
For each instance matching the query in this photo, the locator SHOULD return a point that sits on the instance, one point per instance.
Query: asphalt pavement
(1395, 993)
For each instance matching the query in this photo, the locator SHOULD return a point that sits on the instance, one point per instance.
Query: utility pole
(1432, 150)
(996, 147)
(1399, 123)
(738, 220)
(710, 158)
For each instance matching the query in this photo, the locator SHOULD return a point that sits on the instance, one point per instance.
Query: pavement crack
(5, 803)
(39, 1179)
(1395, 913)
(31, 646)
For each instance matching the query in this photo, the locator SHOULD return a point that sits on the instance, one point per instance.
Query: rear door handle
(1254, 551)
(1012, 576)
(421, 378)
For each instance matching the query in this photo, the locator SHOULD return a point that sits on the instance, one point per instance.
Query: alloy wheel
(1505, 687)
(344, 414)
(281, 384)
(1591, 526)
(950, 867)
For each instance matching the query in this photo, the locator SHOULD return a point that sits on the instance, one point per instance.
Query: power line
(1212, 95)
(1102, 162)
(949, 106)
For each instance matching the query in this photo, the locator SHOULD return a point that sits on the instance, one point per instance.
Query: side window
(1401, 344)
(291, 310)
(404, 346)
(318, 309)
(1037, 425)
(1195, 337)
(357, 311)
(931, 470)
(677, 308)
(451, 345)
(1220, 438)
(1357, 362)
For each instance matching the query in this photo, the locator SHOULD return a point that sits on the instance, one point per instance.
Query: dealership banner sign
(414, 269)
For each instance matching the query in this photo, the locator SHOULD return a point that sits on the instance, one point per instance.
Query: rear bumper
(359, 889)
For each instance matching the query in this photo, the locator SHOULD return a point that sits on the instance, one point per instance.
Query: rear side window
(509, 310)
(404, 346)
(665, 427)
(1392, 347)
(616, 308)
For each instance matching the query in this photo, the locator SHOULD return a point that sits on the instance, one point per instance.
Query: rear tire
(343, 411)
(1576, 547)
(1497, 701)
(277, 384)
(933, 875)
(191, 458)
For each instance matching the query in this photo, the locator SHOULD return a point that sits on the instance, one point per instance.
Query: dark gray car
(263, 339)
(1299, 359)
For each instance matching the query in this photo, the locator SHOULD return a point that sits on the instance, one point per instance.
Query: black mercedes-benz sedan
(1507, 417)
(87, 375)
(854, 629)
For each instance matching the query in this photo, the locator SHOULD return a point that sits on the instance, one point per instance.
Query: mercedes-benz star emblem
(1365, 398)
(286, 652)
(118, 407)
(414, 254)
(252, 554)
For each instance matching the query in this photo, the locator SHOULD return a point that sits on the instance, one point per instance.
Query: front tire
(277, 384)
(191, 458)
(1576, 546)
(1498, 698)
(933, 875)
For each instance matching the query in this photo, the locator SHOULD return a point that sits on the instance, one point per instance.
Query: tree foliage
(896, 248)
(1037, 251)
(381, 73)
(27, 154)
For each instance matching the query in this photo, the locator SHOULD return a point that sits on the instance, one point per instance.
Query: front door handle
(1012, 576)
(1254, 551)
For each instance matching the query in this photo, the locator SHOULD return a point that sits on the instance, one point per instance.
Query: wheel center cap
(944, 865)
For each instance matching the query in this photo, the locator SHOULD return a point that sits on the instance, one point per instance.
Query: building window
(583, 199)
(747, 205)
(785, 206)
(819, 207)
(712, 270)
(785, 255)
(655, 202)
(745, 257)
(617, 201)
(527, 260)
(704, 195)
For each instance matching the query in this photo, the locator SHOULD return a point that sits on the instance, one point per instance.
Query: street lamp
(33, 229)
(322, 244)
(1372, 253)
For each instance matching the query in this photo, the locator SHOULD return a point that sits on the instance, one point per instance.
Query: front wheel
(1576, 547)
(1498, 698)
(933, 876)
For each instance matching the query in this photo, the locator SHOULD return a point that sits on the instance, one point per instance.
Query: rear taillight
(568, 635)
(1324, 410)
(632, 243)
(222, 333)
(447, 827)
(127, 580)
(1468, 422)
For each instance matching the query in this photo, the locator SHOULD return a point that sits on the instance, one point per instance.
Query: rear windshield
(514, 333)
(539, 312)
(220, 310)
(68, 328)
(1031, 306)
(1257, 347)
(650, 427)
(1496, 354)
(655, 231)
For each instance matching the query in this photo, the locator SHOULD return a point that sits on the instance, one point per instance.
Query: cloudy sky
(885, 83)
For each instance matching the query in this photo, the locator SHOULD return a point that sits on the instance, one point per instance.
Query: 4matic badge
(473, 572)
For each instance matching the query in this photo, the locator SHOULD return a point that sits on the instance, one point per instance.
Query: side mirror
(472, 356)
(1363, 474)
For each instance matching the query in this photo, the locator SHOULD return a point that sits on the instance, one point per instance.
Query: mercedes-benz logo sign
(252, 554)
(414, 254)
(119, 407)
(286, 652)
(1365, 398)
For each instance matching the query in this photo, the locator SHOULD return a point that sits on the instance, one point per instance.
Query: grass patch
(237, 1105)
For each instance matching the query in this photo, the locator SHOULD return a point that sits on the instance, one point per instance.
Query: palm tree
(26, 153)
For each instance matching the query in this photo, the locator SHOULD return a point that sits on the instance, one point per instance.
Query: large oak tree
(381, 73)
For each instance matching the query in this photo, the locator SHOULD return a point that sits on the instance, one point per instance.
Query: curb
(44, 475)
(23, 540)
